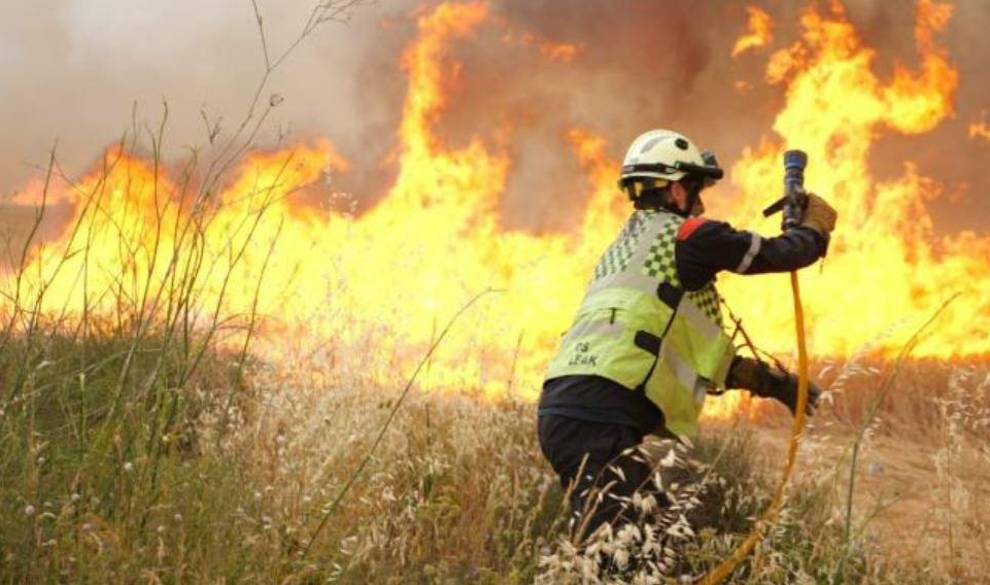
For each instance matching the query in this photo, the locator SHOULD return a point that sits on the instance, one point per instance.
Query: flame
(887, 266)
(373, 291)
(759, 27)
(548, 49)
(980, 129)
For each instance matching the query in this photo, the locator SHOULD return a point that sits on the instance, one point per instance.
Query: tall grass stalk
(100, 397)
(332, 507)
(874, 406)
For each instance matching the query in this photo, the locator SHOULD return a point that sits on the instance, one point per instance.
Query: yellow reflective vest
(636, 326)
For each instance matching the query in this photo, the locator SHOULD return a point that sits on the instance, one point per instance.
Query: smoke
(946, 154)
(73, 70)
(639, 65)
(645, 64)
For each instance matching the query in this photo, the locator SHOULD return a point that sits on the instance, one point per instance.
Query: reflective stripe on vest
(636, 326)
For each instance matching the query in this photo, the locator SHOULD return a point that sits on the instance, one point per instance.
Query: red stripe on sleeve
(687, 228)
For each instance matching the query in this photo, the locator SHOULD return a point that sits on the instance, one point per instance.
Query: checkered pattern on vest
(660, 262)
(707, 300)
(616, 258)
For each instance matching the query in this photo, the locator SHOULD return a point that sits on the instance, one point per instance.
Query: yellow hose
(719, 573)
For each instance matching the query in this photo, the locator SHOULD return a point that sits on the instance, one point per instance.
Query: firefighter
(647, 343)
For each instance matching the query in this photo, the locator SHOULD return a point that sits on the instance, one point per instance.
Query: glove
(767, 382)
(819, 215)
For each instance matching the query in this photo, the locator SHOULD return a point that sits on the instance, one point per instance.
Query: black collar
(655, 201)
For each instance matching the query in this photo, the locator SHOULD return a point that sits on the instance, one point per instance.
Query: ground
(904, 486)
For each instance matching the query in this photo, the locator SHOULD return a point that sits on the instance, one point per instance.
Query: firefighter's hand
(783, 387)
(769, 382)
(819, 215)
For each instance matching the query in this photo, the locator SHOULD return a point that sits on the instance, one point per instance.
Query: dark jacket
(703, 249)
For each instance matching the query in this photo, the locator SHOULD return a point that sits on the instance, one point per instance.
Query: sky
(80, 73)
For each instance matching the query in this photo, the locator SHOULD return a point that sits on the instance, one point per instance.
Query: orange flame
(375, 289)
(759, 28)
(886, 262)
(980, 129)
(550, 50)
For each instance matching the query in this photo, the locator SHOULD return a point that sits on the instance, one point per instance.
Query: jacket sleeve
(705, 247)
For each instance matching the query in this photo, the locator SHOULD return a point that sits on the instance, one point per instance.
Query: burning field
(314, 357)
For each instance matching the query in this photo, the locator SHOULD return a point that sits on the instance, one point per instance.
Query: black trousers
(566, 442)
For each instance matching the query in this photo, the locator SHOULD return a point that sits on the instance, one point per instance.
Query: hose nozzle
(794, 200)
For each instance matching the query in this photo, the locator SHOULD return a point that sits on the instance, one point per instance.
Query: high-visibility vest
(638, 327)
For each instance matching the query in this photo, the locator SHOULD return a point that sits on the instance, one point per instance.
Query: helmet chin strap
(693, 189)
(658, 200)
(652, 198)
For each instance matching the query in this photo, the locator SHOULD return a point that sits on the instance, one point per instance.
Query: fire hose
(792, 204)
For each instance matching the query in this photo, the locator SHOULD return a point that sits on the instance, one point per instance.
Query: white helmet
(669, 156)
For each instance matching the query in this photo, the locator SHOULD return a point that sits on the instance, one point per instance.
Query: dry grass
(135, 448)
(923, 470)
(458, 491)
